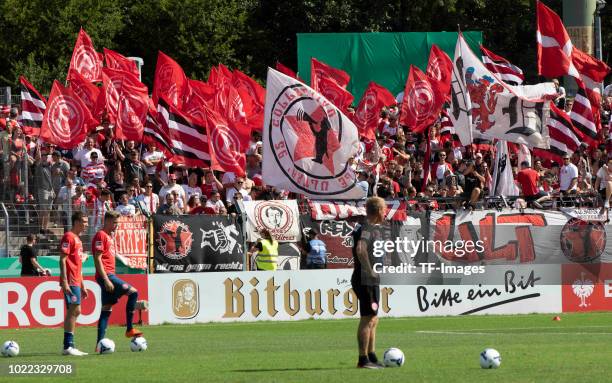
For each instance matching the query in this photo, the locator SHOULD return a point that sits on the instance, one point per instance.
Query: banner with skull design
(197, 243)
(281, 218)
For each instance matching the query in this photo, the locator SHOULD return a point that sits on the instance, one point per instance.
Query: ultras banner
(197, 243)
(512, 237)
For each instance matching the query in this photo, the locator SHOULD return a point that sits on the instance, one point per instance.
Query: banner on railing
(197, 243)
(131, 240)
(282, 218)
(512, 237)
(336, 210)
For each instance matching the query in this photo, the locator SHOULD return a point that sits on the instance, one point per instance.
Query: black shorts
(368, 297)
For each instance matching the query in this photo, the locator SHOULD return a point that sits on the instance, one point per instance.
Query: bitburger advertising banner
(197, 243)
(282, 218)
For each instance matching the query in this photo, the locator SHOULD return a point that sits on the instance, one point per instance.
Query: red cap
(258, 180)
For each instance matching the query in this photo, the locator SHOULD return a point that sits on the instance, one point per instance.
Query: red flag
(589, 66)
(319, 70)
(554, 45)
(87, 92)
(221, 80)
(286, 70)
(227, 146)
(212, 76)
(188, 138)
(507, 71)
(85, 60)
(338, 96)
(198, 97)
(253, 98)
(154, 134)
(33, 106)
(582, 115)
(170, 80)
(132, 111)
(439, 72)
(113, 83)
(367, 113)
(67, 119)
(420, 106)
(115, 60)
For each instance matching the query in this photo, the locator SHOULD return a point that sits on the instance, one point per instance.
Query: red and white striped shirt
(92, 171)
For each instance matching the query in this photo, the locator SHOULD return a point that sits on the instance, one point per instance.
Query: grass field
(533, 347)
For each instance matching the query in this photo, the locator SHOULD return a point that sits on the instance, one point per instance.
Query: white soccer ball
(106, 346)
(490, 358)
(138, 344)
(10, 348)
(393, 357)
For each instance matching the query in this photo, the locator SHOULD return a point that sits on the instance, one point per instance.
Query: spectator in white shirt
(214, 205)
(148, 200)
(568, 177)
(124, 207)
(83, 155)
(170, 187)
(192, 188)
(238, 188)
(152, 158)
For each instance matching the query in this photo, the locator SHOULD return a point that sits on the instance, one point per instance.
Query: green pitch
(533, 347)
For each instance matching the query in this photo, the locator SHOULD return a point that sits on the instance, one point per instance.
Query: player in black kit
(366, 282)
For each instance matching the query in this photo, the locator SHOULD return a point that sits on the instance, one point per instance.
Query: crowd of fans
(104, 173)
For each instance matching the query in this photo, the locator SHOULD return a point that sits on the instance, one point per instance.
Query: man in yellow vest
(267, 248)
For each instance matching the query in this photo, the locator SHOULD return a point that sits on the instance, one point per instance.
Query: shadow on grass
(292, 369)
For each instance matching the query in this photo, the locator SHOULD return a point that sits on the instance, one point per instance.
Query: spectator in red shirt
(528, 178)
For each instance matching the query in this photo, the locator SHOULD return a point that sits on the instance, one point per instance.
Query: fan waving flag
(117, 61)
(505, 70)
(319, 70)
(420, 106)
(33, 107)
(85, 60)
(170, 80)
(483, 107)
(308, 142)
(188, 139)
(367, 113)
(67, 119)
(554, 45)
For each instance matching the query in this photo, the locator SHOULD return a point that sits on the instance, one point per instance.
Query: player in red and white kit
(71, 279)
(113, 288)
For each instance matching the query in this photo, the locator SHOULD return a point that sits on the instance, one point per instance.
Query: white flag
(503, 180)
(485, 107)
(307, 142)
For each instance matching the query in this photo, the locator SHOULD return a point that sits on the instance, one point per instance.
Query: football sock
(129, 309)
(102, 324)
(372, 357)
(68, 340)
(363, 359)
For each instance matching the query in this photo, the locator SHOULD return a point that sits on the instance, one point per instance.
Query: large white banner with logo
(282, 218)
(327, 294)
(307, 142)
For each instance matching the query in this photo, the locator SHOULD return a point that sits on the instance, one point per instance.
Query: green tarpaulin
(10, 267)
(381, 57)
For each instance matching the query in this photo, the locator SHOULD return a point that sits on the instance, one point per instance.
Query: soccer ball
(10, 348)
(393, 357)
(490, 358)
(106, 346)
(138, 344)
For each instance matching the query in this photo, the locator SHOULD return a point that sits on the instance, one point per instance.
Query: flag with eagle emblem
(308, 142)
